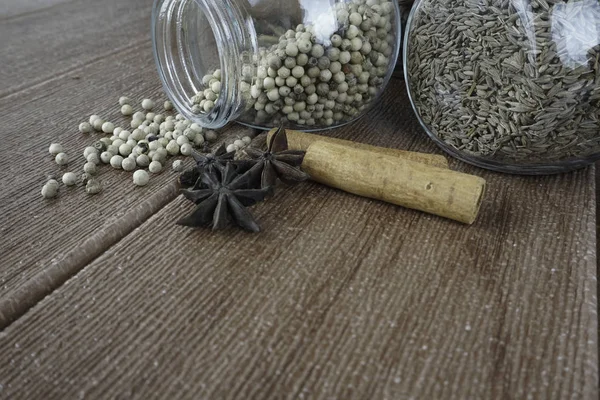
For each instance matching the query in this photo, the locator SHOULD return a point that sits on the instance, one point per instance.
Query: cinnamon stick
(396, 180)
(301, 141)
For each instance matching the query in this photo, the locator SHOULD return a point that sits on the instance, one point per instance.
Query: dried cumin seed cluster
(517, 85)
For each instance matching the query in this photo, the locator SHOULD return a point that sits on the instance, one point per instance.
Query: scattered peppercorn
(69, 179)
(55, 148)
(147, 104)
(141, 178)
(62, 159)
(155, 167)
(178, 166)
(93, 186)
(50, 189)
(90, 168)
(85, 127)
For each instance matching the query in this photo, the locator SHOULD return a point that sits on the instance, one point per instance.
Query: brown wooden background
(339, 297)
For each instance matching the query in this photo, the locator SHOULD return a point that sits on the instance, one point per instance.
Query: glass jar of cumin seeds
(307, 64)
(508, 85)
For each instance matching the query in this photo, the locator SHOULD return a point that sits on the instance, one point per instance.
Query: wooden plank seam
(57, 273)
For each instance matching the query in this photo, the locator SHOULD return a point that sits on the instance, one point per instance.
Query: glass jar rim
(167, 17)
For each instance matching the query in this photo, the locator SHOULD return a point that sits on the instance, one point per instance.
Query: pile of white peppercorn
(153, 139)
(309, 79)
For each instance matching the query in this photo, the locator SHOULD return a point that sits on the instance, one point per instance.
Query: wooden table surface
(339, 297)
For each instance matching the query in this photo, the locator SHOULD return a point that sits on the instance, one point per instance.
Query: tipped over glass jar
(510, 85)
(307, 64)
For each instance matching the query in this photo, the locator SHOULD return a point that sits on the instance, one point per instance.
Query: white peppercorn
(178, 166)
(239, 144)
(105, 157)
(62, 159)
(55, 148)
(85, 127)
(155, 167)
(189, 133)
(93, 186)
(185, 149)
(279, 81)
(147, 104)
(116, 161)
(69, 179)
(160, 154)
(304, 45)
(53, 183)
(125, 101)
(302, 59)
(172, 148)
(49, 191)
(163, 142)
(126, 110)
(154, 145)
(141, 178)
(269, 83)
(135, 123)
(247, 140)
(93, 118)
(128, 164)
(283, 72)
(93, 158)
(313, 72)
(216, 87)
(210, 95)
(230, 148)
(291, 49)
(317, 51)
(355, 19)
(273, 94)
(336, 40)
(284, 91)
(97, 124)
(297, 72)
(209, 105)
(124, 135)
(90, 168)
(138, 134)
(182, 140)
(168, 106)
(125, 149)
(142, 160)
(325, 75)
(198, 141)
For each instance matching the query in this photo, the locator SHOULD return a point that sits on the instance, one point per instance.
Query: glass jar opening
(305, 64)
(189, 48)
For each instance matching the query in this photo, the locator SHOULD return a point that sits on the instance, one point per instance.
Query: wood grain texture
(340, 297)
(54, 41)
(11, 9)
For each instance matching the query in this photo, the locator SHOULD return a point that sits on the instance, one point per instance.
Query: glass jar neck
(192, 38)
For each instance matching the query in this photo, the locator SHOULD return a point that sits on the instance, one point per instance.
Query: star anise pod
(217, 160)
(276, 162)
(222, 196)
(209, 162)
